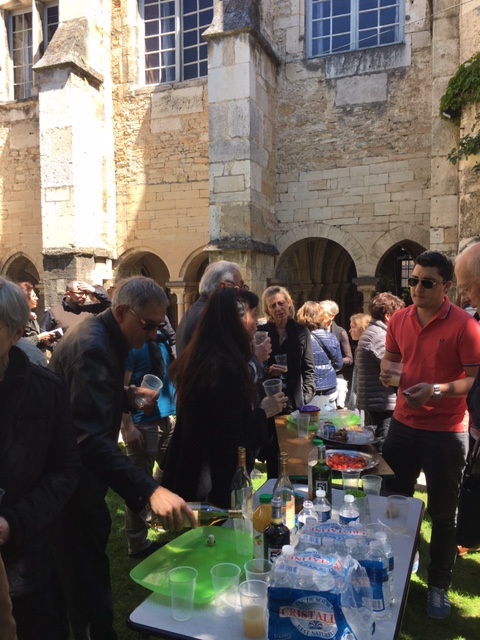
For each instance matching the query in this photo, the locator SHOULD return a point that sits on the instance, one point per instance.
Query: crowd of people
(59, 453)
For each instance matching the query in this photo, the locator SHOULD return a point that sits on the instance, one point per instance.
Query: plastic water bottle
(348, 511)
(382, 536)
(322, 506)
(308, 511)
(376, 565)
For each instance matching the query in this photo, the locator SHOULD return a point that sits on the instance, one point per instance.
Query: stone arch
(407, 234)
(20, 268)
(142, 262)
(328, 232)
(316, 268)
(194, 265)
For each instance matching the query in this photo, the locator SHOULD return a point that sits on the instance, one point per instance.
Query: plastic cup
(350, 479)
(152, 384)
(396, 370)
(225, 577)
(397, 513)
(253, 598)
(181, 581)
(260, 336)
(272, 386)
(371, 485)
(281, 360)
(303, 423)
(258, 569)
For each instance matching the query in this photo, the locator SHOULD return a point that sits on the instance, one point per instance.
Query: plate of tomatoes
(342, 460)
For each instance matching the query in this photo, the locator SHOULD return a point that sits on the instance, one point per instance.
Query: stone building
(300, 138)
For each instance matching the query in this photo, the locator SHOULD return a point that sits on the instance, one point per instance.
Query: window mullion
(178, 40)
(354, 35)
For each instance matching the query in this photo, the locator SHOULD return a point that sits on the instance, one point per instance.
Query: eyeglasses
(242, 286)
(147, 326)
(466, 289)
(426, 284)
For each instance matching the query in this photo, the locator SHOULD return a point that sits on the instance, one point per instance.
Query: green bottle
(322, 474)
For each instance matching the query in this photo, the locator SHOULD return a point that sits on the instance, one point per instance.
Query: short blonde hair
(331, 306)
(360, 320)
(313, 316)
(271, 291)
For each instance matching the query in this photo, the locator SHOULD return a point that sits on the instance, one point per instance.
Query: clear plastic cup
(260, 337)
(397, 513)
(181, 581)
(303, 424)
(258, 569)
(225, 578)
(372, 485)
(395, 369)
(272, 386)
(151, 385)
(350, 479)
(253, 599)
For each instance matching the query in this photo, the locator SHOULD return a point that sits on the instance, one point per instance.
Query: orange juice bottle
(261, 519)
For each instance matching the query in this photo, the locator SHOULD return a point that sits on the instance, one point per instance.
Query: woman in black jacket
(215, 398)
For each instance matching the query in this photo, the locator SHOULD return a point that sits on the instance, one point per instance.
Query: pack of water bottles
(317, 595)
(334, 583)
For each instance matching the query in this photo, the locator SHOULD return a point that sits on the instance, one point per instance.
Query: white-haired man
(92, 358)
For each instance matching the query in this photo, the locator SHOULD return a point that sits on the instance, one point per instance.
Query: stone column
(367, 286)
(178, 288)
(241, 104)
(445, 61)
(76, 149)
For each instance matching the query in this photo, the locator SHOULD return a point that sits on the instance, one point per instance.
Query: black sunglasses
(426, 284)
(147, 326)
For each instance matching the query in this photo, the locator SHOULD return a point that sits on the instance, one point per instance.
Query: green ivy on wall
(463, 89)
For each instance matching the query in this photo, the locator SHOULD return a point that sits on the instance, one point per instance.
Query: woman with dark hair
(32, 332)
(215, 396)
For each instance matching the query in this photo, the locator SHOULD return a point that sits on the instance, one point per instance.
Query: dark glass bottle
(284, 490)
(322, 474)
(204, 513)
(276, 534)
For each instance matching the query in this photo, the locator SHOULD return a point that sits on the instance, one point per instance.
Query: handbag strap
(323, 347)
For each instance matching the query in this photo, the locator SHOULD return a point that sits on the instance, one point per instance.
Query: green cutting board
(191, 550)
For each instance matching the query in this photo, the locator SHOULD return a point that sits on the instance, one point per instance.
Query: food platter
(346, 445)
(350, 460)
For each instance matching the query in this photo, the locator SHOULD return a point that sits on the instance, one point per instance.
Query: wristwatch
(436, 392)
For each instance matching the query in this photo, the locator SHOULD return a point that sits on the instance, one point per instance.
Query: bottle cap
(348, 498)
(317, 441)
(320, 493)
(307, 504)
(287, 550)
(381, 535)
(265, 498)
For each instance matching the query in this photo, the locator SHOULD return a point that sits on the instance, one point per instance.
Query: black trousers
(79, 549)
(35, 614)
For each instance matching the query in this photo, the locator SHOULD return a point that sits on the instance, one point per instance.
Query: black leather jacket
(39, 467)
(92, 358)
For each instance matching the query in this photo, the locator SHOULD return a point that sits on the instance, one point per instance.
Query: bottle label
(325, 515)
(288, 514)
(273, 553)
(258, 544)
(378, 576)
(347, 519)
(321, 483)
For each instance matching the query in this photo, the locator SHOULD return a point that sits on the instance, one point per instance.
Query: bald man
(467, 274)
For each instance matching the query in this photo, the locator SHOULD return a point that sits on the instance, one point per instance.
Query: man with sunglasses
(72, 308)
(92, 359)
(439, 347)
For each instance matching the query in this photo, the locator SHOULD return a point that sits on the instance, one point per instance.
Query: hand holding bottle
(171, 509)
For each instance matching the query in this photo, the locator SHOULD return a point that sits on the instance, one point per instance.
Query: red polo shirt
(436, 353)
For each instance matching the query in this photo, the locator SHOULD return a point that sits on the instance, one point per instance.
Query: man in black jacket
(39, 469)
(92, 359)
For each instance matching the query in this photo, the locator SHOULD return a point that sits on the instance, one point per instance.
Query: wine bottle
(276, 534)
(205, 515)
(241, 496)
(283, 489)
(322, 474)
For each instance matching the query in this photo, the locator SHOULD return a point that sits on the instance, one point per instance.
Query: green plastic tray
(190, 549)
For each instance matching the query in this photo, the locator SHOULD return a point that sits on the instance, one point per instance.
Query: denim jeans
(441, 456)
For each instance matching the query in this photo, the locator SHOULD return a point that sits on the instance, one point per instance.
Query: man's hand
(85, 288)
(263, 350)
(418, 395)
(171, 509)
(4, 531)
(275, 371)
(134, 438)
(274, 405)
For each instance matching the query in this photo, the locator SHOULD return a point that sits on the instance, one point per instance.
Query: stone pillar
(76, 150)
(178, 289)
(367, 286)
(241, 104)
(445, 61)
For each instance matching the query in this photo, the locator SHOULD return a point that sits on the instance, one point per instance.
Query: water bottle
(376, 565)
(382, 536)
(322, 506)
(348, 511)
(308, 511)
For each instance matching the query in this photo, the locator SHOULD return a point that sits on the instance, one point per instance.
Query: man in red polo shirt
(439, 347)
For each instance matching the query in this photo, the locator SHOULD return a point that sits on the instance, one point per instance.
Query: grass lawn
(462, 624)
